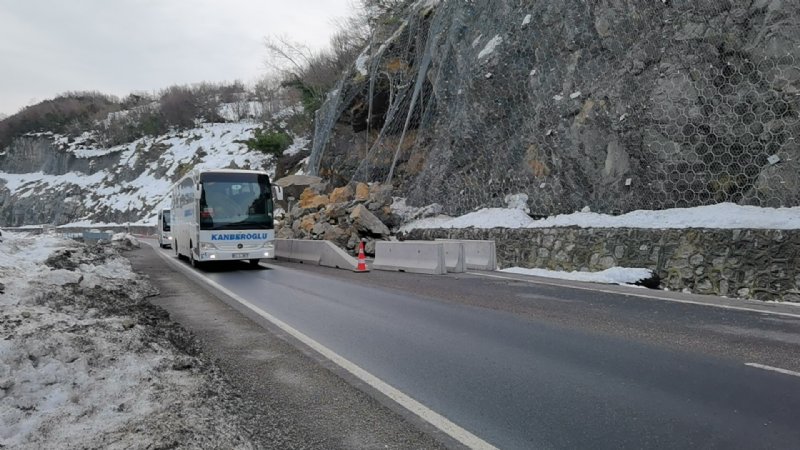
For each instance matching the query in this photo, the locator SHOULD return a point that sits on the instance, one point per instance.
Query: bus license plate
(240, 255)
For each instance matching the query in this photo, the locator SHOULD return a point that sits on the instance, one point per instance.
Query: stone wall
(758, 264)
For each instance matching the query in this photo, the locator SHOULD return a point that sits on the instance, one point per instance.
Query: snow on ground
(408, 213)
(723, 215)
(86, 362)
(490, 46)
(28, 183)
(614, 275)
(361, 63)
(526, 20)
(299, 144)
(484, 218)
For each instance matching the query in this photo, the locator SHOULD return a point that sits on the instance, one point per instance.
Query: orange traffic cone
(362, 259)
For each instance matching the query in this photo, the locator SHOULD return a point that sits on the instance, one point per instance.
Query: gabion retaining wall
(758, 264)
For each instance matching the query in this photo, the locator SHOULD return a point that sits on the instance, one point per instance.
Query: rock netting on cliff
(613, 104)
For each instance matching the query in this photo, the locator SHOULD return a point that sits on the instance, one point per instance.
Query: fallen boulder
(366, 222)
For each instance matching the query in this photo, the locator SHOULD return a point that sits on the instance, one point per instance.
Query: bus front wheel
(195, 263)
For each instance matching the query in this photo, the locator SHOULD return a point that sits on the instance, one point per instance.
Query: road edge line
(773, 369)
(634, 294)
(418, 409)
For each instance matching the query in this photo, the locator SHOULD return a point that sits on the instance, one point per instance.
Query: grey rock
(606, 262)
(366, 222)
(369, 248)
(705, 287)
(321, 228)
(381, 194)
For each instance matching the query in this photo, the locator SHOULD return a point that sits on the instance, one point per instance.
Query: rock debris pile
(344, 215)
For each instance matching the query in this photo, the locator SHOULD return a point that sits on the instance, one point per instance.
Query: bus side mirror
(278, 192)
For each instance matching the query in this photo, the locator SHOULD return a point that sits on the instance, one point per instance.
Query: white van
(164, 228)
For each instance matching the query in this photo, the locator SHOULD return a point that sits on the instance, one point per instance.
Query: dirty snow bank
(720, 216)
(614, 275)
(483, 218)
(86, 362)
(409, 213)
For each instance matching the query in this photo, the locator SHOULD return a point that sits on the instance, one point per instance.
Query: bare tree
(267, 92)
(287, 57)
(208, 100)
(312, 73)
(239, 108)
(179, 106)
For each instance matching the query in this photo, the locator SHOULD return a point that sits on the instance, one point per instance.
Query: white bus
(223, 215)
(164, 228)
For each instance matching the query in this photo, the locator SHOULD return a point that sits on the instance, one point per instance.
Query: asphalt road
(527, 365)
(292, 399)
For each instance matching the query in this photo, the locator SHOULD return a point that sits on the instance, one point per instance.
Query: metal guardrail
(96, 236)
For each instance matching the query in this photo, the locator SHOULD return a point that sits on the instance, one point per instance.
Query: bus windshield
(165, 225)
(235, 201)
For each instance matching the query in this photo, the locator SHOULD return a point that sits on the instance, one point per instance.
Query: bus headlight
(207, 246)
(269, 244)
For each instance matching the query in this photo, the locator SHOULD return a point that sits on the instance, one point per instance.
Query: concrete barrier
(478, 255)
(298, 250)
(283, 249)
(306, 251)
(334, 256)
(454, 258)
(417, 257)
(323, 253)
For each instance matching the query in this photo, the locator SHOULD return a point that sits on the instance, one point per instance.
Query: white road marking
(774, 369)
(423, 412)
(634, 294)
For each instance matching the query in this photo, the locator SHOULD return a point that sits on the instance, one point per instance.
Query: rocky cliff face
(612, 104)
(51, 179)
(38, 203)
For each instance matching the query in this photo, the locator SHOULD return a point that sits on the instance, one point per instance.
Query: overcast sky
(48, 47)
